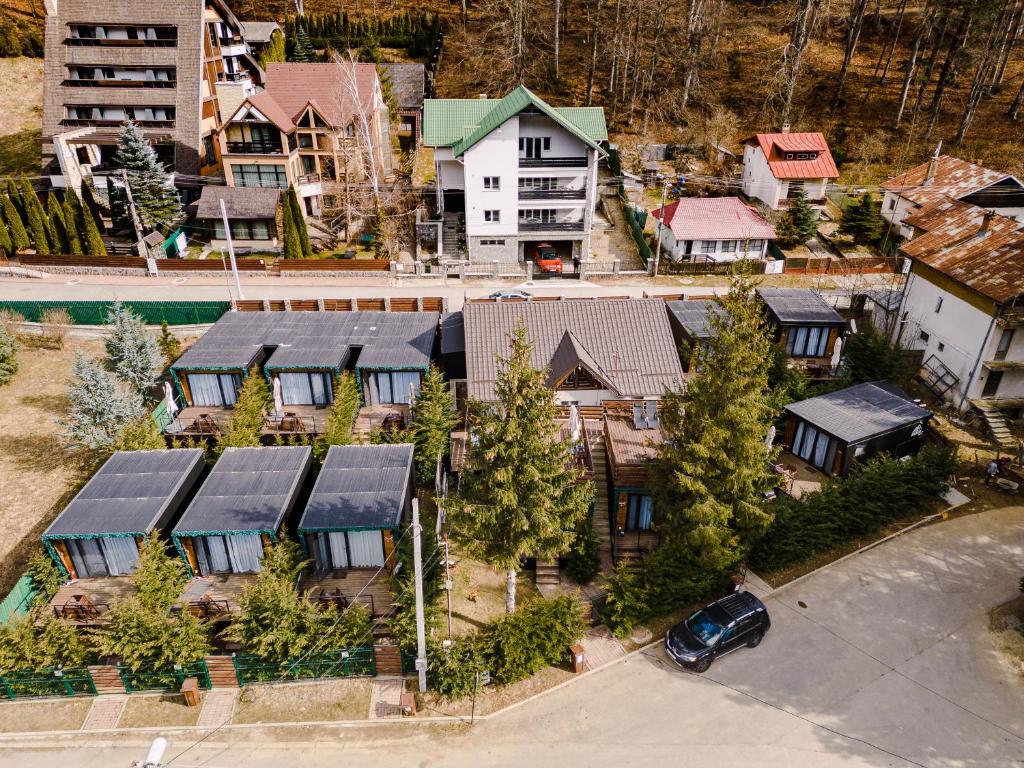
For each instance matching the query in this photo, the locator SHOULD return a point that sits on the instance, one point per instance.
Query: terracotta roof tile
(326, 86)
(715, 218)
(953, 178)
(776, 145)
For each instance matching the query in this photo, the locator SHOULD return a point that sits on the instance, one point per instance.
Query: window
(306, 388)
(892, 203)
(252, 175)
(923, 337)
(492, 242)
(243, 230)
(538, 183)
(492, 182)
(938, 304)
(306, 140)
(638, 512)
(807, 341)
(708, 246)
(814, 446)
(728, 246)
(214, 389)
(1003, 347)
(755, 245)
(493, 216)
(392, 386)
(538, 215)
(209, 156)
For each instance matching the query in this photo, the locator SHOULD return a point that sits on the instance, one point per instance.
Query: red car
(547, 259)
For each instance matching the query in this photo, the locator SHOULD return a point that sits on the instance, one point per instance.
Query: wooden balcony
(340, 589)
(215, 597)
(87, 602)
(207, 421)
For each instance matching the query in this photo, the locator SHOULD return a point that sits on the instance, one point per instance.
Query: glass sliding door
(214, 389)
(389, 387)
(306, 388)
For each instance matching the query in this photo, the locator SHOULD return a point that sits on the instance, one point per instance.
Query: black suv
(716, 629)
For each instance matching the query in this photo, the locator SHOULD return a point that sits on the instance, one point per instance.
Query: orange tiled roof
(953, 178)
(776, 145)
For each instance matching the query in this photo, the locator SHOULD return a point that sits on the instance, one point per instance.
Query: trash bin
(579, 659)
(408, 703)
(190, 691)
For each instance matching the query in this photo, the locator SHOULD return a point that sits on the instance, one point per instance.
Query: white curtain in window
(645, 513)
(121, 554)
(321, 386)
(813, 334)
(383, 387)
(820, 449)
(366, 549)
(295, 389)
(230, 383)
(797, 437)
(245, 552)
(216, 556)
(798, 341)
(339, 555)
(402, 383)
(205, 388)
(807, 447)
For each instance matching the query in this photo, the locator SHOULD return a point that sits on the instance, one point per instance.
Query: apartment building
(159, 64)
(315, 128)
(514, 173)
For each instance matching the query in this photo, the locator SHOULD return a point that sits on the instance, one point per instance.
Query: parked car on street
(547, 259)
(716, 629)
(509, 295)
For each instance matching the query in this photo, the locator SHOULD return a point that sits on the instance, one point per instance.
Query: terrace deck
(215, 596)
(87, 602)
(196, 421)
(342, 588)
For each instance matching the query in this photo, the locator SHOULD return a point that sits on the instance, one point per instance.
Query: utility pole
(131, 207)
(661, 223)
(231, 247)
(421, 630)
(448, 585)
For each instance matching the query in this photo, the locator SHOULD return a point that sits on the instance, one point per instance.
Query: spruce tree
(433, 418)
(291, 243)
(132, 354)
(100, 407)
(6, 244)
(90, 222)
(300, 223)
(19, 235)
(803, 217)
(59, 238)
(862, 221)
(156, 200)
(302, 48)
(14, 192)
(36, 218)
(170, 345)
(521, 495)
(869, 356)
(74, 220)
(245, 427)
(342, 414)
(9, 348)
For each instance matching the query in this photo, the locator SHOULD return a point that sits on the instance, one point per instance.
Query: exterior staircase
(107, 679)
(222, 672)
(996, 425)
(548, 573)
(602, 520)
(450, 238)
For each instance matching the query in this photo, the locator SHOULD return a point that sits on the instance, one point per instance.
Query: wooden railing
(334, 265)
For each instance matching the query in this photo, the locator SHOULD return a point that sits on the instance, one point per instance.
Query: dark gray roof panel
(239, 202)
(249, 489)
(132, 493)
(315, 340)
(861, 411)
(792, 306)
(408, 83)
(694, 316)
(629, 339)
(453, 334)
(360, 486)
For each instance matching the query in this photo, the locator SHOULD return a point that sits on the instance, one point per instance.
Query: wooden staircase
(602, 521)
(548, 573)
(996, 425)
(222, 672)
(389, 660)
(107, 679)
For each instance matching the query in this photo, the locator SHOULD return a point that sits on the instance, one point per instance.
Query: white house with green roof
(521, 172)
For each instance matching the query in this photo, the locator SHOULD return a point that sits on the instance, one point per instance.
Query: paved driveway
(885, 663)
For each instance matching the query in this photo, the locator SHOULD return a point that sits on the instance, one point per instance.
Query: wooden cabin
(833, 431)
(632, 435)
(240, 508)
(805, 326)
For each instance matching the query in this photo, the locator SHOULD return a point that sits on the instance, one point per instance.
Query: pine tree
(100, 408)
(300, 223)
(170, 345)
(302, 48)
(132, 354)
(90, 222)
(520, 496)
(58, 232)
(869, 356)
(6, 244)
(803, 218)
(19, 236)
(862, 221)
(291, 243)
(14, 192)
(9, 348)
(433, 418)
(342, 414)
(142, 435)
(711, 470)
(245, 427)
(275, 50)
(36, 218)
(156, 200)
(74, 220)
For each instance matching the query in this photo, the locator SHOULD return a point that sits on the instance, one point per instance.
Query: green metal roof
(461, 123)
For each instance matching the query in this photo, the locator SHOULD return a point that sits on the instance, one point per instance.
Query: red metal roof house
(776, 165)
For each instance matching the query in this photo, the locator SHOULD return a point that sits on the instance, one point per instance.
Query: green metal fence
(152, 312)
(18, 599)
(167, 679)
(51, 681)
(353, 662)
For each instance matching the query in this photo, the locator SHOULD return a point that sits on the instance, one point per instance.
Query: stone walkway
(105, 712)
(386, 697)
(218, 708)
(601, 647)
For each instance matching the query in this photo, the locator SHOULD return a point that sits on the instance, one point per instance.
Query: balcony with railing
(550, 226)
(234, 77)
(81, 82)
(553, 162)
(254, 148)
(80, 122)
(552, 194)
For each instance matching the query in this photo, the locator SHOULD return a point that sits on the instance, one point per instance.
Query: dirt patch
(322, 700)
(1007, 625)
(39, 475)
(478, 594)
(151, 711)
(492, 698)
(49, 715)
(21, 115)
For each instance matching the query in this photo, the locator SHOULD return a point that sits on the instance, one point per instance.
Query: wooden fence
(854, 265)
(363, 304)
(209, 265)
(334, 265)
(61, 260)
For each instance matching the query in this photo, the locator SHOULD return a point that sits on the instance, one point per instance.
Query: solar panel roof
(132, 493)
(248, 490)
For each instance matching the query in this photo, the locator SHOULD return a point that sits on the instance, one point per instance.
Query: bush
(585, 555)
(538, 635)
(874, 494)
(46, 577)
(452, 671)
(9, 347)
(169, 344)
(56, 323)
(625, 604)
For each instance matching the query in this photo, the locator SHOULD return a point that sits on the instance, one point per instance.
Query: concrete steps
(996, 425)
(548, 573)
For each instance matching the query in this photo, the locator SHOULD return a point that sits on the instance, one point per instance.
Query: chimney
(785, 128)
(481, 96)
(986, 220)
(933, 164)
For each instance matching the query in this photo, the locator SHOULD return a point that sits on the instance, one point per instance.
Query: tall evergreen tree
(342, 414)
(100, 407)
(869, 356)
(90, 204)
(433, 418)
(90, 221)
(132, 354)
(299, 218)
(14, 192)
(19, 235)
(74, 219)
(6, 244)
(302, 48)
(9, 348)
(521, 495)
(59, 237)
(156, 199)
(245, 427)
(291, 242)
(803, 217)
(863, 221)
(36, 218)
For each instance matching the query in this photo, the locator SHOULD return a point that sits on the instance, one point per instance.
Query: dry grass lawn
(478, 594)
(151, 711)
(21, 115)
(1007, 625)
(49, 715)
(492, 698)
(39, 475)
(294, 702)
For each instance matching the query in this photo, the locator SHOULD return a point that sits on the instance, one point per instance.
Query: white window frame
(492, 183)
(492, 215)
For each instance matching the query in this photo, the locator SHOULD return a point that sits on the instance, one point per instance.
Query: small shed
(832, 431)
(805, 325)
(240, 508)
(252, 215)
(132, 494)
(690, 320)
(359, 500)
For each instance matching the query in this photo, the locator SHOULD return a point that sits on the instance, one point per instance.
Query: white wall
(758, 180)
(895, 209)
(677, 249)
(563, 143)
(584, 396)
(497, 154)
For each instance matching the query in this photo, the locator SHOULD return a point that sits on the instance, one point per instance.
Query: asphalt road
(882, 660)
